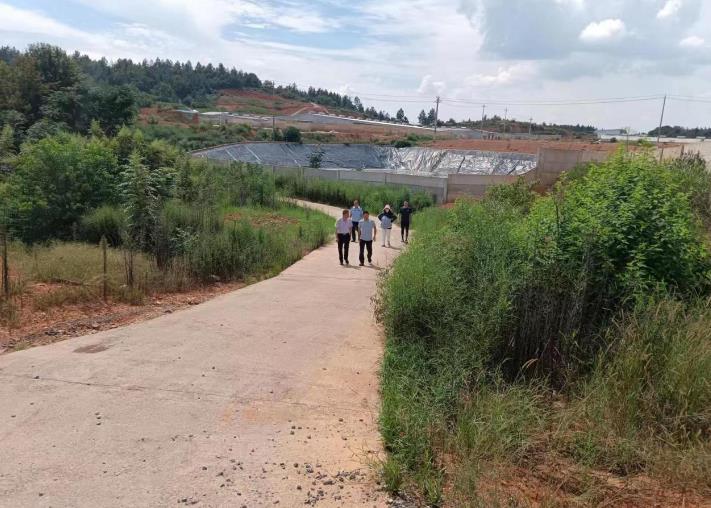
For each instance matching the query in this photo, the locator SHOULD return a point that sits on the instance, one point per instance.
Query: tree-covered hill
(46, 91)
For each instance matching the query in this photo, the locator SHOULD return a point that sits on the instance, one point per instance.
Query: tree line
(46, 91)
(677, 131)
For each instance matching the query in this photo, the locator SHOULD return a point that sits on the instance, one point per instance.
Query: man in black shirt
(405, 213)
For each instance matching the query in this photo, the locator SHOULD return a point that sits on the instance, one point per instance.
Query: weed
(576, 322)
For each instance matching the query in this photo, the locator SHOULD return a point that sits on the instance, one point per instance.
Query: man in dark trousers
(367, 232)
(405, 213)
(356, 217)
(343, 235)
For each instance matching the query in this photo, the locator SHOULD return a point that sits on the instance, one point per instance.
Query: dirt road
(264, 396)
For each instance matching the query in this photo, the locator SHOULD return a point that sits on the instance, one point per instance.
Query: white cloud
(504, 76)
(13, 19)
(604, 30)
(428, 86)
(670, 9)
(693, 41)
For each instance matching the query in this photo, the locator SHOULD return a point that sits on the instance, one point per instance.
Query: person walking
(356, 217)
(367, 232)
(387, 217)
(405, 213)
(343, 236)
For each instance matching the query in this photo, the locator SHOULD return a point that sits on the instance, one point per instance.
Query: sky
(521, 58)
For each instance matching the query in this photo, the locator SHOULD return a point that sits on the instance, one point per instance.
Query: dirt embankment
(253, 101)
(519, 145)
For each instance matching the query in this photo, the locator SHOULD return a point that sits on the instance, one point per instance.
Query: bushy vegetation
(338, 193)
(196, 137)
(576, 322)
(173, 222)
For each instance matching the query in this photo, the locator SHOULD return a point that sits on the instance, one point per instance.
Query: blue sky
(472, 51)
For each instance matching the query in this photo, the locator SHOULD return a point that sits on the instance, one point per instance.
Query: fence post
(104, 282)
(5, 263)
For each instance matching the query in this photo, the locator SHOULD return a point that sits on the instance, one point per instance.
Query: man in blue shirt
(367, 233)
(356, 217)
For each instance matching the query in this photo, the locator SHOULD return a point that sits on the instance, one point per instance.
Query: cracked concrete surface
(264, 396)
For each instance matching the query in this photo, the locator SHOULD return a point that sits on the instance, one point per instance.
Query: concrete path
(265, 396)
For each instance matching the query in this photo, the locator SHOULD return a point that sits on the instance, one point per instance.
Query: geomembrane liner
(413, 160)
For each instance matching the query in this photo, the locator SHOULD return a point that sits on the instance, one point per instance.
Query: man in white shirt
(367, 233)
(343, 235)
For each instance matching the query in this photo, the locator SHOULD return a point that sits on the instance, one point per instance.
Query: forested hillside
(46, 91)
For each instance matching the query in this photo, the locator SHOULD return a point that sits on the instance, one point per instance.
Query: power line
(509, 102)
(579, 102)
(688, 98)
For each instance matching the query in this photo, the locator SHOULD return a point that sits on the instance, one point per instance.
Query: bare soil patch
(520, 145)
(265, 219)
(557, 482)
(39, 327)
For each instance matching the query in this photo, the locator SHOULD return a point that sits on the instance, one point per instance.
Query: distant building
(611, 132)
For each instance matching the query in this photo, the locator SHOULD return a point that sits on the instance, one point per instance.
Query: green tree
(316, 159)
(140, 201)
(422, 118)
(292, 135)
(56, 181)
(56, 69)
(112, 106)
(7, 141)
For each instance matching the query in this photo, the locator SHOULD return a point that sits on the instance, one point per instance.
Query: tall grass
(197, 246)
(647, 404)
(570, 321)
(342, 194)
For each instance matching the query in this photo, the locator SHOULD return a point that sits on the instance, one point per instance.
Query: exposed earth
(263, 396)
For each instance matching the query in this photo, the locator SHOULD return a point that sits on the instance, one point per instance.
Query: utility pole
(627, 142)
(506, 116)
(530, 125)
(483, 108)
(437, 100)
(661, 120)
(5, 267)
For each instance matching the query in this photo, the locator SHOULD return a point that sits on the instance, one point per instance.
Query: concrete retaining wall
(553, 161)
(474, 185)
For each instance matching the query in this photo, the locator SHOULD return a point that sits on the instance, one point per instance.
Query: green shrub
(56, 181)
(622, 230)
(693, 176)
(292, 135)
(490, 294)
(402, 143)
(108, 221)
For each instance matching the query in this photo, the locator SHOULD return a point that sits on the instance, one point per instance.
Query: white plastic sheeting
(416, 160)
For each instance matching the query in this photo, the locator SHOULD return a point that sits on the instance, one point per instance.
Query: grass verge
(554, 349)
